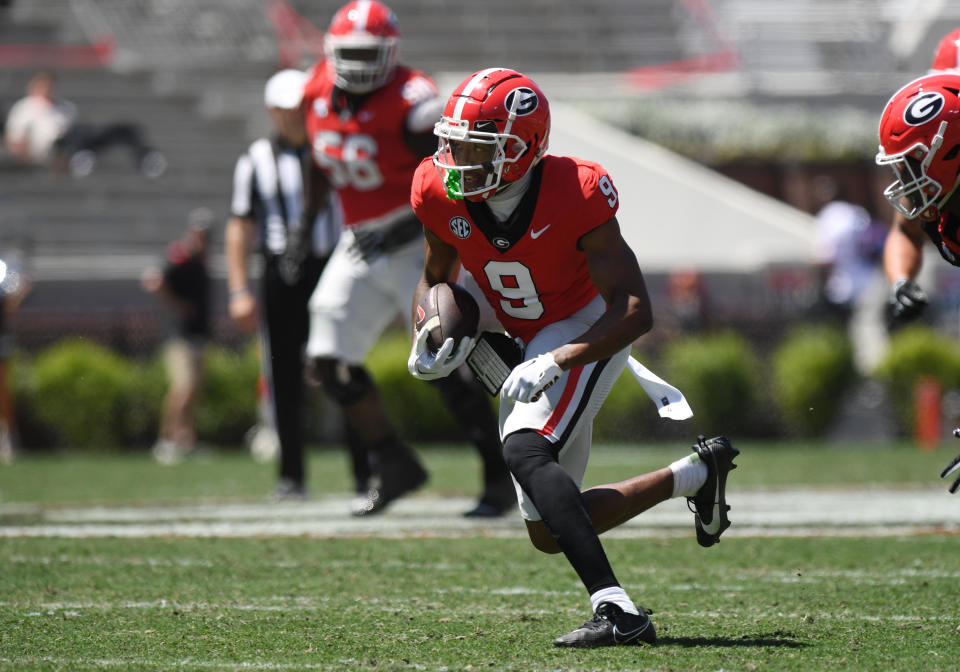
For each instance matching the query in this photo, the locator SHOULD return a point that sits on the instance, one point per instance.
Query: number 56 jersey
(363, 150)
(530, 268)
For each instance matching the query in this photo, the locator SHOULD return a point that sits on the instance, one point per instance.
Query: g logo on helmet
(923, 108)
(524, 98)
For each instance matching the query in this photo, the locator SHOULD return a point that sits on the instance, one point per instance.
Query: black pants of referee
(287, 319)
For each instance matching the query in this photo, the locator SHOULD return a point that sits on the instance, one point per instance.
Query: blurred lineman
(266, 211)
(903, 251)
(540, 235)
(184, 285)
(920, 140)
(14, 286)
(370, 120)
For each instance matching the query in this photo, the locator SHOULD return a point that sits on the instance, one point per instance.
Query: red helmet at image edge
(361, 45)
(505, 118)
(947, 56)
(920, 141)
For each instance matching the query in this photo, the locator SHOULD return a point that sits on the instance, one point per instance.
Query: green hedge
(80, 388)
(720, 377)
(811, 370)
(78, 393)
(227, 406)
(917, 352)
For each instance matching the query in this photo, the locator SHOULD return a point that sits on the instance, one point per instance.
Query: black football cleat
(497, 500)
(611, 626)
(394, 481)
(709, 505)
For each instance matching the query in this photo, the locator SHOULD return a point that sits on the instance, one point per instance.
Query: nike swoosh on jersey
(537, 234)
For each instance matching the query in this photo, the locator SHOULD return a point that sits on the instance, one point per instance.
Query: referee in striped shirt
(266, 209)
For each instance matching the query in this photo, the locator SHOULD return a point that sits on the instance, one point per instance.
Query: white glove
(426, 365)
(528, 380)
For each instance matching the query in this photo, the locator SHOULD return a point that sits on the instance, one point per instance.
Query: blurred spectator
(14, 286)
(266, 213)
(184, 284)
(849, 246)
(686, 309)
(42, 128)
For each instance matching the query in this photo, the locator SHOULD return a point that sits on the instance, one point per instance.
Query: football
(447, 310)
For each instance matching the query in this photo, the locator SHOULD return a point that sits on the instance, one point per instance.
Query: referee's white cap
(285, 89)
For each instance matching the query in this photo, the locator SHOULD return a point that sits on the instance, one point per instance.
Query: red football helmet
(920, 141)
(494, 129)
(947, 56)
(361, 45)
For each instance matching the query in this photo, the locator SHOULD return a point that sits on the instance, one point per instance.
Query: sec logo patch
(460, 227)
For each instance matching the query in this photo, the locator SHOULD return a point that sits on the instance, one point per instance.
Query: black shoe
(611, 626)
(497, 500)
(395, 481)
(710, 503)
(289, 490)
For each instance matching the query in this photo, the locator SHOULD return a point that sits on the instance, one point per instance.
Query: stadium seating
(191, 71)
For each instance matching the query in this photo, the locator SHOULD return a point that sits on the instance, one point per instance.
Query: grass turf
(466, 603)
(130, 476)
(434, 604)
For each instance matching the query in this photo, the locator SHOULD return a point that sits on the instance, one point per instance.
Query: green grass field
(480, 599)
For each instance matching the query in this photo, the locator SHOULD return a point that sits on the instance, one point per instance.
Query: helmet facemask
(472, 162)
(914, 193)
(361, 63)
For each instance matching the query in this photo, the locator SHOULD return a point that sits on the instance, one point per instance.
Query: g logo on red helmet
(924, 108)
(526, 101)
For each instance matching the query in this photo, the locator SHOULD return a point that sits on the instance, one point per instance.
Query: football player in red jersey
(903, 250)
(540, 235)
(947, 55)
(369, 120)
(920, 141)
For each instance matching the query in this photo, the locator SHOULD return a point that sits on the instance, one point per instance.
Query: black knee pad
(524, 452)
(344, 383)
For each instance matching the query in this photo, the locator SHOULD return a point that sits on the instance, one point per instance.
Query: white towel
(669, 400)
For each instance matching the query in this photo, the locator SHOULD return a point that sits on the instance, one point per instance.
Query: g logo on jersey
(460, 226)
(524, 98)
(923, 108)
(502, 243)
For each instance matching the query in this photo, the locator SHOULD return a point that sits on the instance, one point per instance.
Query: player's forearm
(902, 255)
(18, 148)
(441, 264)
(237, 248)
(423, 286)
(316, 195)
(622, 324)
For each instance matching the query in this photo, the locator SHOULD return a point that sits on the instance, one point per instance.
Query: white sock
(689, 475)
(617, 596)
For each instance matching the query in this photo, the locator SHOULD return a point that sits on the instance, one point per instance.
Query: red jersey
(363, 151)
(530, 268)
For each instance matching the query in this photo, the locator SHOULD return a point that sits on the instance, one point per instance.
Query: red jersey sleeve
(600, 198)
(416, 189)
(425, 189)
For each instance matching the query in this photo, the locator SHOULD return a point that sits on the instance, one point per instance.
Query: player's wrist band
(240, 291)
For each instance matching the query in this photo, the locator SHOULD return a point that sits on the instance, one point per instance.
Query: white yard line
(797, 512)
